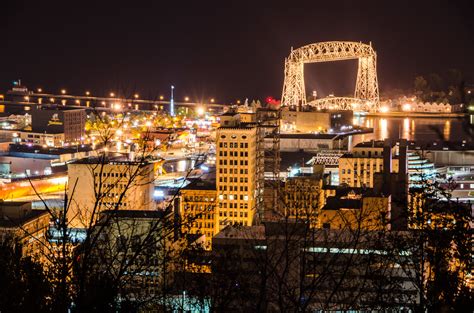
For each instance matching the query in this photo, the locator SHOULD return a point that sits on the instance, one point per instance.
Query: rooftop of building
(442, 145)
(115, 159)
(294, 159)
(7, 221)
(144, 214)
(306, 136)
(374, 144)
(312, 176)
(336, 203)
(239, 125)
(229, 113)
(13, 203)
(200, 184)
(242, 232)
(358, 156)
(349, 198)
(49, 150)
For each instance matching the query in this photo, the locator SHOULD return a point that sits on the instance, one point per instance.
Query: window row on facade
(233, 154)
(233, 145)
(110, 174)
(234, 162)
(233, 188)
(233, 197)
(233, 205)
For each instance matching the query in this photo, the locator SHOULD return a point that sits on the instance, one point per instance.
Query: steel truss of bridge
(366, 94)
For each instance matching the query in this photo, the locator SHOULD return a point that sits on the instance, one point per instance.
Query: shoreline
(416, 114)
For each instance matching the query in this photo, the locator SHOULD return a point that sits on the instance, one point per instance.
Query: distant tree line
(447, 88)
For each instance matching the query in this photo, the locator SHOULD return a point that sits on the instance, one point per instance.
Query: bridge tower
(366, 94)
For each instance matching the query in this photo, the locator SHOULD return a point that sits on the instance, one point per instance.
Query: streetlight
(40, 90)
(212, 100)
(88, 93)
(186, 98)
(112, 94)
(63, 91)
(172, 101)
(136, 96)
(161, 97)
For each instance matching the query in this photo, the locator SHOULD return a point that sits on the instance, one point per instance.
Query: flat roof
(336, 203)
(6, 221)
(442, 146)
(200, 184)
(374, 144)
(48, 150)
(114, 160)
(13, 203)
(294, 158)
(242, 232)
(135, 213)
(306, 136)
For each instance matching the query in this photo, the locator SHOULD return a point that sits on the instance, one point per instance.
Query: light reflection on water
(418, 129)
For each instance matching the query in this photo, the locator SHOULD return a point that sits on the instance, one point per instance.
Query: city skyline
(198, 47)
(237, 157)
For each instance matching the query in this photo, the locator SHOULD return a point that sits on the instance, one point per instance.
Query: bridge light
(186, 98)
(212, 100)
(136, 96)
(40, 90)
(87, 93)
(161, 97)
(63, 91)
(384, 109)
(112, 94)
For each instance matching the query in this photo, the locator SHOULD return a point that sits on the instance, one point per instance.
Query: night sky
(228, 49)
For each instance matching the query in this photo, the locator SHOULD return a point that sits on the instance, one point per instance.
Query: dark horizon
(226, 52)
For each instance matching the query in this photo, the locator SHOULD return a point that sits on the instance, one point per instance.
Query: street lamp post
(172, 101)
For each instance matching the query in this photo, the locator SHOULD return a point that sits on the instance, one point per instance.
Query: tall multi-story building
(67, 121)
(357, 168)
(99, 183)
(198, 202)
(239, 166)
(303, 197)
